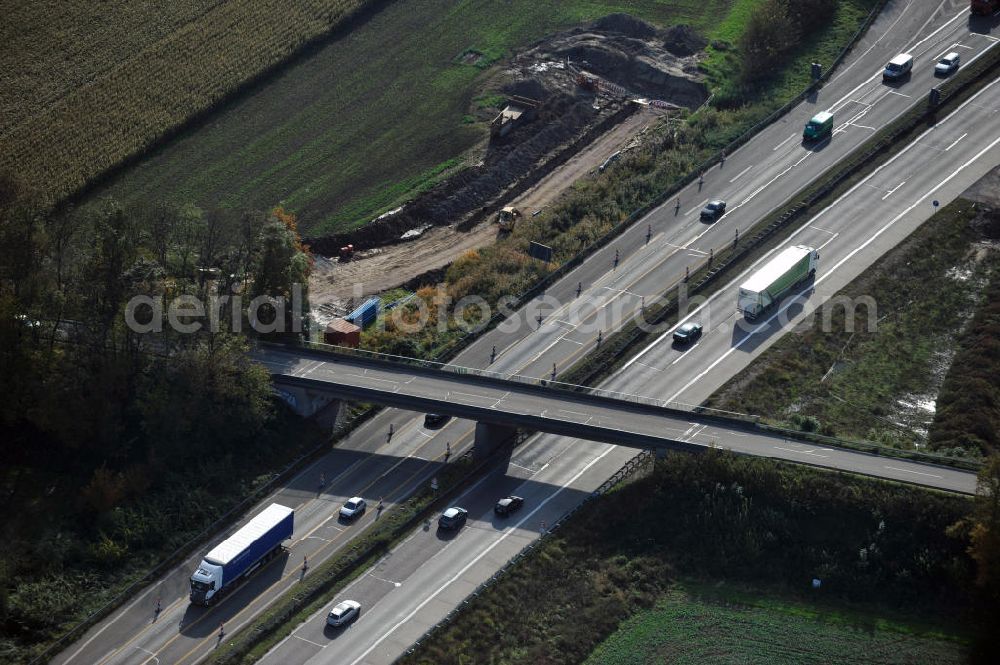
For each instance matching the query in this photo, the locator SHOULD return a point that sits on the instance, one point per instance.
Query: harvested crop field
(88, 85)
(372, 117)
(692, 630)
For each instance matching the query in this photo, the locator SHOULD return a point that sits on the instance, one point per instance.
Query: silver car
(354, 507)
(344, 613)
(947, 64)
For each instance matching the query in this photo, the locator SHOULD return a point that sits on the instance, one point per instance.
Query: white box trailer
(788, 269)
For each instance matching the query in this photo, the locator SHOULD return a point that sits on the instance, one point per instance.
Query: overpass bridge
(500, 405)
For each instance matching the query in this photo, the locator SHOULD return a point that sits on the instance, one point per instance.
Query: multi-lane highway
(763, 173)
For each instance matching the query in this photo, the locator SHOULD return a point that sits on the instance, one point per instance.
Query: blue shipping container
(364, 315)
(247, 546)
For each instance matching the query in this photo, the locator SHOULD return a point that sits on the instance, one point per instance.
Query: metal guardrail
(626, 472)
(175, 557)
(451, 350)
(358, 557)
(531, 380)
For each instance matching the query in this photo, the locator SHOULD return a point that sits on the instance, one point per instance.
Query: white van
(898, 67)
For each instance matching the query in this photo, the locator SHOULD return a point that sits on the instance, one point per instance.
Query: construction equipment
(507, 217)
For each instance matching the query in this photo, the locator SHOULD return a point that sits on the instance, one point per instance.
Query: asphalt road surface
(569, 411)
(763, 173)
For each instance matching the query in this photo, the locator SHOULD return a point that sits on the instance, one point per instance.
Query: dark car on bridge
(713, 210)
(453, 518)
(688, 332)
(508, 505)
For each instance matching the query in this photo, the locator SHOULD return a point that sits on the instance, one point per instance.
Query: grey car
(354, 507)
(453, 518)
(688, 332)
(344, 613)
(947, 64)
(713, 209)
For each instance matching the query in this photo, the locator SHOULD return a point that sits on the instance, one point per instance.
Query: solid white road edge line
(479, 557)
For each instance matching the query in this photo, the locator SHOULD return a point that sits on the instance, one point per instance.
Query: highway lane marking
(697, 207)
(683, 355)
(372, 378)
(854, 252)
(316, 644)
(650, 366)
(521, 466)
(381, 579)
(863, 127)
(741, 174)
(507, 532)
(502, 398)
(782, 143)
(151, 654)
(893, 92)
(802, 452)
(890, 192)
(919, 473)
(819, 228)
(576, 413)
(791, 239)
(876, 42)
(911, 49)
(994, 40)
(955, 142)
(295, 571)
(456, 392)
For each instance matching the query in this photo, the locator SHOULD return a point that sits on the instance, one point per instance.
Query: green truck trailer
(819, 126)
(777, 277)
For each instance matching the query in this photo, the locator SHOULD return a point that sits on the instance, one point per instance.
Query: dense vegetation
(968, 406)
(880, 550)
(92, 84)
(856, 382)
(113, 440)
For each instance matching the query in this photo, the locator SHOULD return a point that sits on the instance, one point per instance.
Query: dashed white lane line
(890, 192)
(741, 174)
(919, 473)
(482, 554)
(784, 142)
(316, 644)
(955, 142)
(801, 452)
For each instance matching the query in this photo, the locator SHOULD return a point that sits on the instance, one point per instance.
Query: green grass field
(686, 628)
(370, 118)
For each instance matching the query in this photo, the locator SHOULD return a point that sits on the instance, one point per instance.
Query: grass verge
(724, 521)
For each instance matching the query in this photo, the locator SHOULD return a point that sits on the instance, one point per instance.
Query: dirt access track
(591, 85)
(388, 267)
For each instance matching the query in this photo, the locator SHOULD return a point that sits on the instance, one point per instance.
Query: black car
(508, 505)
(453, 518)
(714, 209)
(688, 332)
(435, 420)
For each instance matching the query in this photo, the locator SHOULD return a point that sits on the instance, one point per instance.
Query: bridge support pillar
(489, 437)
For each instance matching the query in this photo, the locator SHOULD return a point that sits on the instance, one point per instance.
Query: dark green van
(819, 127)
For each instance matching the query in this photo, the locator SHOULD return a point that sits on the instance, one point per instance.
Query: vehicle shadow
(333, 632)
(983, 25)
(817, 146)
(898, 82)
(200, 622)
(775, 320)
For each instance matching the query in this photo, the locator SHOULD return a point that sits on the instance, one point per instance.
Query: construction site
(569, 107)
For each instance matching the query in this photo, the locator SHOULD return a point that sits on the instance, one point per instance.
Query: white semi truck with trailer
(791, 267)
(241, 554)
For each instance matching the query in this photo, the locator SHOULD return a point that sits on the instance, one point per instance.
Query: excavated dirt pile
(639, 61)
